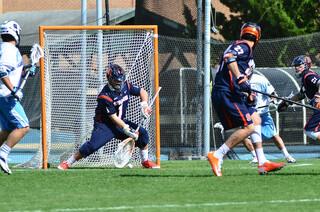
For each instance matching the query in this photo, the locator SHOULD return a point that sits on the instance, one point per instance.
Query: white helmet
(11, 28)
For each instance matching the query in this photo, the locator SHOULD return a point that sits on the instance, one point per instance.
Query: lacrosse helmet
(11, 28)
(302, 63)
(116, 77)
(251, 31)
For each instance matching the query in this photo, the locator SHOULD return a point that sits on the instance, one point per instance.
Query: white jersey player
(13, 119)
(268, 129)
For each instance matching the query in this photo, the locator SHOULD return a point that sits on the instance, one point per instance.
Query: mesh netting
(75, 72)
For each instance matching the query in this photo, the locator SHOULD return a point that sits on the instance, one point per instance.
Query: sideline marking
(176, 205)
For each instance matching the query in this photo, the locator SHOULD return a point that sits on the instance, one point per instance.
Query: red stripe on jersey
(106, 97)
(231, 82)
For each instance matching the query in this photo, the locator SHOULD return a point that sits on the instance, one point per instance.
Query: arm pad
(230, 56)
(300, 95)
(3, 72)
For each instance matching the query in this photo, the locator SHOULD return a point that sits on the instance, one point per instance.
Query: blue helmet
(251, 31)
(302, 59)
(116, 77)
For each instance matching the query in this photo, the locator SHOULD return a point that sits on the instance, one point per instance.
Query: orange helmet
(250, 31)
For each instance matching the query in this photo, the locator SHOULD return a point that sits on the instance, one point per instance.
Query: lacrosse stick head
(123, 153)
(36, 53)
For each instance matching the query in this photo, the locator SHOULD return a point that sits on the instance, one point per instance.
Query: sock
(71, 160)
(221, 152)
(144, 155)
(5, 151)
(253, 153)
(285, 151)
(261, 157)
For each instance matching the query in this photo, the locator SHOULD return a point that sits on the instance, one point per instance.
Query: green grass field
(177, 186)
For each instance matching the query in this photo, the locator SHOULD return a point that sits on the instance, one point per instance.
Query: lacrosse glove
(17, 94)
(244, 84)
(282, 107)
(145, 110)
(251, 100)
(315, 102)
(130, 132)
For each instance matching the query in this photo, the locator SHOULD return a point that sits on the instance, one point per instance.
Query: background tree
(277, 18)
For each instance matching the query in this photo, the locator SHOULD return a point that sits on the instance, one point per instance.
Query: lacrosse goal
(73, 73)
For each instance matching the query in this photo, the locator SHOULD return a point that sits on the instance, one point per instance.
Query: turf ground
(177, 186)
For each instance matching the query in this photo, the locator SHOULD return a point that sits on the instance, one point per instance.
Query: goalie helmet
(116, 77)
(11, 28)
(302, 63)
(251, 31)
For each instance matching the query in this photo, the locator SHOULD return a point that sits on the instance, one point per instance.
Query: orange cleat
(149, 165)
(215, 164)
(64, 165)
(270, 167)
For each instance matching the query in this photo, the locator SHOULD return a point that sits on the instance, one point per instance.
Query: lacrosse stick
(36, 54)
(125, 149)
(286, 100)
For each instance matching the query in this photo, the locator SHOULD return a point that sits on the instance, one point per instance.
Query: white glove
(129, 132)
(145, 110)
(17, 94)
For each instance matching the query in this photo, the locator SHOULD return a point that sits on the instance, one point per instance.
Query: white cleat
(254, 160)
(290, 159)
(4, 166)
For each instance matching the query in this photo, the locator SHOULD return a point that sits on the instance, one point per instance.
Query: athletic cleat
(149, 165)
(254, 160)
(64, 165)
(270, 167)
(4, 166)
(215, 164)
(290, 159)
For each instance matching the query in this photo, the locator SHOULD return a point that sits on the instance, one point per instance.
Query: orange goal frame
(122, 27)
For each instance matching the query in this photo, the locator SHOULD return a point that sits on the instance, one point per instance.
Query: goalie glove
(145, 110)
(315, 102)
(130, 132)
(17, 94)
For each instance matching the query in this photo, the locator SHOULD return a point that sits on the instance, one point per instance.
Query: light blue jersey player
(13, 119)
(110, 118)
(268, 129)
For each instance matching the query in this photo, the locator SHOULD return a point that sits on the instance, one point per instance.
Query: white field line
(177, 205)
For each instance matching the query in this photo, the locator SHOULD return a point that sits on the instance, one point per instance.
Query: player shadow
(162, 176)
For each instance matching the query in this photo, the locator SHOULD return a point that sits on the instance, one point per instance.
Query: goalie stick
(286, 100)
(36, 54)
(125, 149)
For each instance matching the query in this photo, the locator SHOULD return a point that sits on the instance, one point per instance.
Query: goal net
(74, 72)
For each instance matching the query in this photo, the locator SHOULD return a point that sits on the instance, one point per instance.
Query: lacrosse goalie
(13, 119)
(109, 119)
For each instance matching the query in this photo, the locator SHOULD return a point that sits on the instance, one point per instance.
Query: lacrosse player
(13, 119)
(310, 88)
(268, 129)
(109, 119)
(228, 98)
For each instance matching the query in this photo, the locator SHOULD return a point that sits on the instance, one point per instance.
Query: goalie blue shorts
(268, 129)
(231, 109)
(12, 114)
(103, 133)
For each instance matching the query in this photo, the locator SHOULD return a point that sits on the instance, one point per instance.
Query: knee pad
(256, 135)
